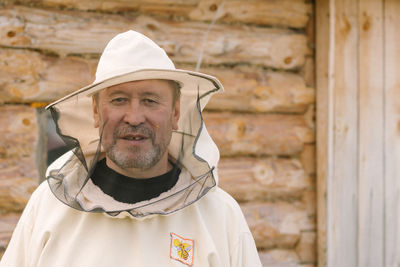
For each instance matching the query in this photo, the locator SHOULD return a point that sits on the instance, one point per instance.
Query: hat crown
(131, 51)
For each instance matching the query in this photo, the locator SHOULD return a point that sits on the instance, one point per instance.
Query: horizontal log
(19, 131)
(27, 76)
(277, 224)
(307, 158)
(7, 225)
(306, 248)
(256, 90)
(74, 32)
(15, 193)
(279, 258)
(309, 202)
(18, 179)
(287, 13)
(308, 71)
(18, 171)
(258, 134)
(248, 179)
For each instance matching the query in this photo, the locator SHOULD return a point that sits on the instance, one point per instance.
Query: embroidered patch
(182, 249)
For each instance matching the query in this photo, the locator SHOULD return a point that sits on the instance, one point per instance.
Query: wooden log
(257, 90)
(249, 179)
(27, 76)
(279, 258)
(278, 224)
(18, 171)
(306, 248)
(287, 13)
(258, 134)
(73, 32)
(309, 202)
(15, 187)
(7, 225)
(308, 71)
(307, 158)
(19, 132)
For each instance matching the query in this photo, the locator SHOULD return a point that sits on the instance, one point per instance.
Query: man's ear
(95, 113)
(176, 114)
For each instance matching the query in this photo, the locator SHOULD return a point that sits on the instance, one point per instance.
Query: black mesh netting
(191, 149)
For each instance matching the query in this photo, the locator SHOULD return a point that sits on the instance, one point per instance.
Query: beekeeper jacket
(212, 231)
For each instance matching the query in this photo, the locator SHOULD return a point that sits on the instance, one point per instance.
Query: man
(138, 187)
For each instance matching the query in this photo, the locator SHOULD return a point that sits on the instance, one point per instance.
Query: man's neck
(160, 168)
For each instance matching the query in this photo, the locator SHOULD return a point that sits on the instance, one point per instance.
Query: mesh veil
(191, 148)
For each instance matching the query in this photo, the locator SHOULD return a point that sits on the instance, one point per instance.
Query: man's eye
(149, 101)
(119, 100)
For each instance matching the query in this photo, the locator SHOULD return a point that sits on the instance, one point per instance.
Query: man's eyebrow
(117, 92)
(146, 93)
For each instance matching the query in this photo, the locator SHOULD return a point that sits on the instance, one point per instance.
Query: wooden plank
(27, 76)
(342, 184)
(392, 132)
(284, 13)
(324, 122)
(370, 180)
(73, 32)
(278, 224)
(249, 179)
(258, 134)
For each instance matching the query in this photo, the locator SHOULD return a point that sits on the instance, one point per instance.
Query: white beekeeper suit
(70, 221)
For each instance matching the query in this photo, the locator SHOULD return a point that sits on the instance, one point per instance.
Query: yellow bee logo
(183, 249)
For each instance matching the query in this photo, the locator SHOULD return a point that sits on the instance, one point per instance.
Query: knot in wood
(11, 34)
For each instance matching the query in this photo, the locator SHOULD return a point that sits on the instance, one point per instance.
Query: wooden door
(358, 132)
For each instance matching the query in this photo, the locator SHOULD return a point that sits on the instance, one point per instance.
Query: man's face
(136, 120)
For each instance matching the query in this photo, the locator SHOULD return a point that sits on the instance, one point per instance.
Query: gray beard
(134, 158)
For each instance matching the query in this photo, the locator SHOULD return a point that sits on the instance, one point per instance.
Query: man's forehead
(138, 86)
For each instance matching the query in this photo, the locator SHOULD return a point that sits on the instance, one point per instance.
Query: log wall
(262, 51)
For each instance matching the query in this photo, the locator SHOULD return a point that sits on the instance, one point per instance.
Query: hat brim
(192, 83)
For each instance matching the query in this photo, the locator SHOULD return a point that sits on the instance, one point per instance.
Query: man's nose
(134, 115)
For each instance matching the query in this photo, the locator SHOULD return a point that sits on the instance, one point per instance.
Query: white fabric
(51, 234)
(131, 51)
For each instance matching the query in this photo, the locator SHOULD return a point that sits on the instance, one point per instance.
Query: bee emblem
(182, 249)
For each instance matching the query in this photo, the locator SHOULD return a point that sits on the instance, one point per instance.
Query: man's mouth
(134, 137)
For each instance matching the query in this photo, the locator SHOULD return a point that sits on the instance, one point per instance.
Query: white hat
(131, 56)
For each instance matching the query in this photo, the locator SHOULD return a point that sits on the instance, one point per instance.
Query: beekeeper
(138, 186)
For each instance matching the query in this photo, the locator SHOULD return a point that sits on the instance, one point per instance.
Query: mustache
(126, 129)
